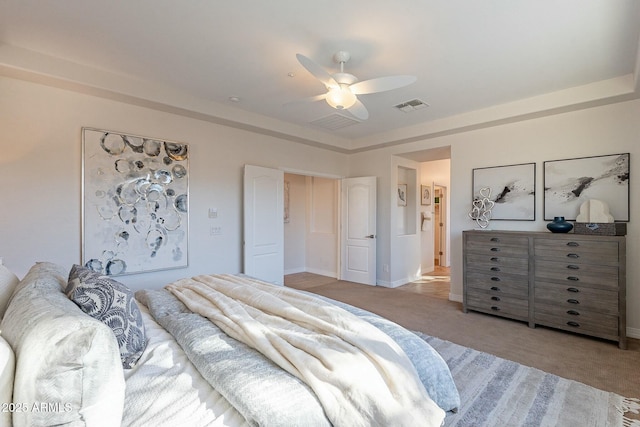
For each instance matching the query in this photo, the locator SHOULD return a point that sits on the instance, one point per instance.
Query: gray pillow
(112, 303)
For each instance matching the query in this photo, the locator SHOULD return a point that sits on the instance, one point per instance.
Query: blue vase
(559, 225)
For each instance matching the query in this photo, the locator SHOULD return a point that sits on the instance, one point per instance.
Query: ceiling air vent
(335, 122)
(414, 104)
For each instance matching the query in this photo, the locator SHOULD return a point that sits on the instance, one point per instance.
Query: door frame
(338, 178)
(338, 207)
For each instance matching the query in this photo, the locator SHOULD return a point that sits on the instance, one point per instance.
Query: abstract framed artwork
(402, 195)
(287, 202)
(570, 182)
(425, 195)
(512, 188)
(135, 212)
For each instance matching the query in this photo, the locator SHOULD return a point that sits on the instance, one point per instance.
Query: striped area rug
(500, 393)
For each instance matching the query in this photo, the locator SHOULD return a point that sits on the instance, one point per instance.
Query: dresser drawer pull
(495, 279)
(574, 324)
(575, 290)
(495, 308)
(495, 268)
(573, 301)
(573, 313)
(495, 259)
(495, 249)
(495, 239)
(495, 298)
(573, 255)
(573, 244)
(573, 278)
(495, 288)
(573, 267)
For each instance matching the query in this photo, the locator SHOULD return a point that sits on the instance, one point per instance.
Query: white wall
(405, 235)
(322, 231)
(40, 168)
(596, 131)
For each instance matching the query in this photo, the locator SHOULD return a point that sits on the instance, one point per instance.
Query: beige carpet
(424, 307)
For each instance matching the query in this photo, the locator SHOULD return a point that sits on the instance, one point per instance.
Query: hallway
(435, 283)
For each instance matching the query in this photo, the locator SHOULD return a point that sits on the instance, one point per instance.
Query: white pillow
(7, 369)
(65, 360)
(8, 282)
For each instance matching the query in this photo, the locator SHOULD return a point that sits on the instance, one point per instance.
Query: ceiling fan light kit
(342, 87)
(340, 98)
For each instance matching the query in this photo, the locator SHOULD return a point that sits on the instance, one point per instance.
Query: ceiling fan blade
(309, 99)
(317, 71)
(359, 110)
(381, 84)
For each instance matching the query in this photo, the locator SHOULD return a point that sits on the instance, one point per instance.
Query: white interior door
(263, 223)
(358, 234)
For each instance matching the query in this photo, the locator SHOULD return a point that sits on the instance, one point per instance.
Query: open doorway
(440, 226)
(311, 239)
(435, 177)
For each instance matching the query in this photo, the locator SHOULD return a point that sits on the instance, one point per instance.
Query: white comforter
(359, 374)
(166, 390)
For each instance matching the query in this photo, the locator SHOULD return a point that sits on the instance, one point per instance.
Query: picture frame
(402, 195)
(512, 189)
(568, 183)
(287, 207)
(135, 191)
(425, 195)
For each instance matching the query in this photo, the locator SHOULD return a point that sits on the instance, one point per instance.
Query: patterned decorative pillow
(112, 303)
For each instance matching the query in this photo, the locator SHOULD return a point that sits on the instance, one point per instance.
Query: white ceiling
(468, 55)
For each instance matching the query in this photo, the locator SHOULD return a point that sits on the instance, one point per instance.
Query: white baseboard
(322, 272)
(633, 333)
(397, 283)
(310, 270)
(455, 297)
(386, 284)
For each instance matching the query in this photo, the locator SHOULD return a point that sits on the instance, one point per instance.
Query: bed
(77, 348)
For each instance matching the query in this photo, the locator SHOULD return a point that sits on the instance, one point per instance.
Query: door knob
(371, 236)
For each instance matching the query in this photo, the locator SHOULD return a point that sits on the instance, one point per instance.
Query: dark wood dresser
(571, 282)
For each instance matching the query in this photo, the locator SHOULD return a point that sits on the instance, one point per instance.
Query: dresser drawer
(500, 305)
(576, 298)
(497, 245)
(499, 284)
(497, 264)
(581, 321)
(576, 250)
(602, 276)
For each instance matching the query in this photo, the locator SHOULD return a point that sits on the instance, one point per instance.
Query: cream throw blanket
(360, 375)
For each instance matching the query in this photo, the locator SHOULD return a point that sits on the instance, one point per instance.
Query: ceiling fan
(342, 87)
